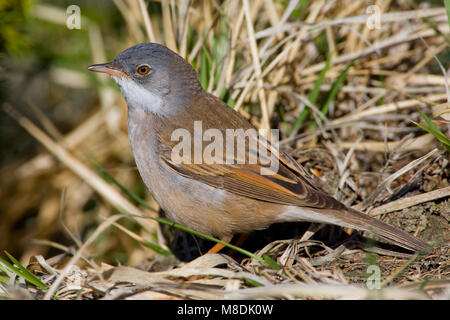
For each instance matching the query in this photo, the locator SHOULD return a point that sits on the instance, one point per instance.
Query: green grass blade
(272, 263)
(210, 238)
(447, 8)
(4, 279)
(107, 177)
(433, 129)
(281, 112)
(137, 199)
(333, 92)
(312, 97)
(9, 266)
(438, 134)
(252, 283)
(445, 141)
(205, 66)
(314, 94)
(23, 272)
(157, 248)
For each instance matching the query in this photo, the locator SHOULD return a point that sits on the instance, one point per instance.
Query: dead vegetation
(264, 58)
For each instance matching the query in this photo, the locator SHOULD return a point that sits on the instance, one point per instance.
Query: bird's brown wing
(289, 185)
(283, 187)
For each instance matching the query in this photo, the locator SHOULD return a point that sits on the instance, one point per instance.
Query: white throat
(139, 97)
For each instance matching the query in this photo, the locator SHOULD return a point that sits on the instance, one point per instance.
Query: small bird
(219, 198)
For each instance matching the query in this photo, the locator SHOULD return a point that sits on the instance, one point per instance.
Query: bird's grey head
(149, 75)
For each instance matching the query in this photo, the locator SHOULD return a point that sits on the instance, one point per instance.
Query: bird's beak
(108, 68)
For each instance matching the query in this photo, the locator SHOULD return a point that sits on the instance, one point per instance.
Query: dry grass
(265, 59)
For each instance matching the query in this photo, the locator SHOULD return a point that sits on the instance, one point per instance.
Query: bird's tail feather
(364, 222)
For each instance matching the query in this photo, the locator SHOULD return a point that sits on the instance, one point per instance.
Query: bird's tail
(361, 221)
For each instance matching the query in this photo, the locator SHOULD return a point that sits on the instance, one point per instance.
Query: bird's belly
(202, 207)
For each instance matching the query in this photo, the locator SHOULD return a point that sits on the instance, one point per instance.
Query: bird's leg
(219, 246)
(242, 238)
(348, 231)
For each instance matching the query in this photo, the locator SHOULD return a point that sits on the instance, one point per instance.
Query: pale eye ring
(143, 69)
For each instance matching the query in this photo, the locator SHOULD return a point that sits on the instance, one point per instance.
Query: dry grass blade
(79, 254)
(257, 66)
(148, 24)
(396, 40)
(386, 183)
(323, 291)
(132, 24)
(389, 107)
(169, 33)
(419, 143)
(411, 201)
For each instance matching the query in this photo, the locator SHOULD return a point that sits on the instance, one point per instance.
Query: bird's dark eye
(143, 69)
